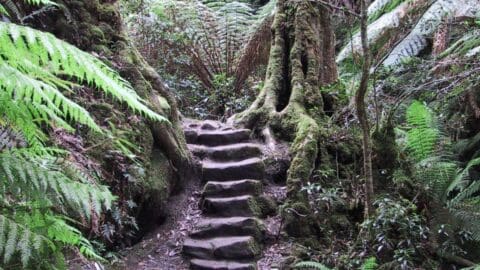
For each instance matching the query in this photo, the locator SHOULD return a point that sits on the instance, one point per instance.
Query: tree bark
(302, 59)
(362, 112)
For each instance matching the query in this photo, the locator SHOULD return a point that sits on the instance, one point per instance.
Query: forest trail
(216, 223)
(229, 233)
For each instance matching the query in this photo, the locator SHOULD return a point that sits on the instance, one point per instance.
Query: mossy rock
(297, 219)
(156, 186)
(267, 205)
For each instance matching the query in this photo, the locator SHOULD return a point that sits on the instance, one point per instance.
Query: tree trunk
(302, 59)
(362, 112)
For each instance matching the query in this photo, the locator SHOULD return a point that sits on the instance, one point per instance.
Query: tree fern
(311, 265)
(214, 33)
(416, 40)
(379, 7)
(378, 30)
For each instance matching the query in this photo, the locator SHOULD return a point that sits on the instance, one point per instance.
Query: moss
(163, 105)
(107, 30)
(102, 50)
(156, 187)
(267, 205)
(297, 219)
(254, 206)
(108, 13)
(96, 34)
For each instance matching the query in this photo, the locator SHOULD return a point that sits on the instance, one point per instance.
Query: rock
(231, 152)
(233, 226)
(215, 138)
(252, 168)
(238, 247)
(198, 264)
(232, 206)
(232, 188)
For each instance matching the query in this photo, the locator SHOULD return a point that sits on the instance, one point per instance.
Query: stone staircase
(229, 234)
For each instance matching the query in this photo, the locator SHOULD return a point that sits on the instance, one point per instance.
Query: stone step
(232, 188)
(233, 226)
(252, 168)
(229, 152)
(238, 247)
(217, 137)
(245, 206)
(199, 264)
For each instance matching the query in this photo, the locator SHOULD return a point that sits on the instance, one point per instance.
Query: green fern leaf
(11, 244)
(416, 40)
(369, 264)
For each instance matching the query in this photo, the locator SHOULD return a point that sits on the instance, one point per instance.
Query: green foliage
(439, 11)
(311, 265)
(33, 188)
(200, 42)
(452, 189)
(423, 134)
(44, 198)
(397, 228)
(369, 264)
(465, 46)
(322, 199)
(32, 62)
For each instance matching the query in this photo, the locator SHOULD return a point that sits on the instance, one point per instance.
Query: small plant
(398, 231)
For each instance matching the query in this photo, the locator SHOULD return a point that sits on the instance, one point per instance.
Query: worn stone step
(245, 206)
(229, 152)
(199, 264)
(252, 168)
(238, 247)
(232, 226)
(232, 188)
(219, 137)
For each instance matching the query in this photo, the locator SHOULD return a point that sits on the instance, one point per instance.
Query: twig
(295, 211)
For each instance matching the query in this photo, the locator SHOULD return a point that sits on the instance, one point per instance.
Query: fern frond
(37, 53)
(378, 30)
(464, 45)
(40, 2)
(19, 239)
(423, 136)
(311, 265)
(416, 40)
(379, 7)
(3, 11)
(43, 179)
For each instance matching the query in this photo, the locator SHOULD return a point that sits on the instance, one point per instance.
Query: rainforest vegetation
(347, 133)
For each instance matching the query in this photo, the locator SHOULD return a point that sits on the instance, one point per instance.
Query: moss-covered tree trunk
(302, 60)
(96, 26)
